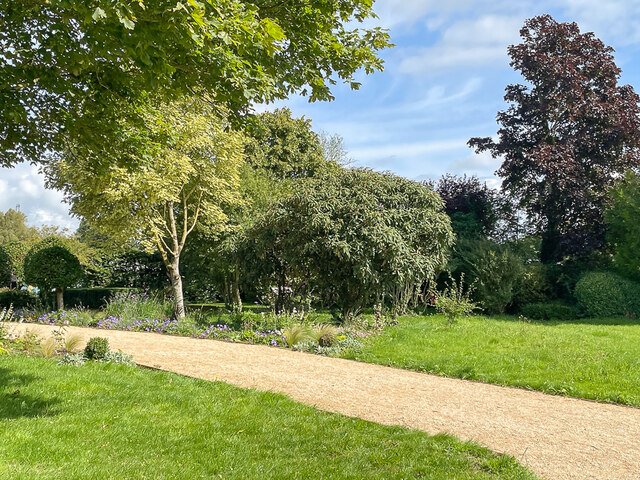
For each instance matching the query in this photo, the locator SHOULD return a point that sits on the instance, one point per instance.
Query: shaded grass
(596, 359)
(111, 421)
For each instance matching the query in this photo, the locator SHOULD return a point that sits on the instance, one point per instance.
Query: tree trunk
(236, 289)
(60, 298)
(176, 289)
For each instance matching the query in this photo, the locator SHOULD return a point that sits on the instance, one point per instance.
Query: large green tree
(188, 172)
(567, 135)
(69, 70)
(14, 228)
(358, 235)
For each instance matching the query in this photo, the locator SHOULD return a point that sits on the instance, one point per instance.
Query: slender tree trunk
(173, 271)
(236, 288)
(60, 298)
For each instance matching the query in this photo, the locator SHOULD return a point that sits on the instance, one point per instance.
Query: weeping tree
(187, 173)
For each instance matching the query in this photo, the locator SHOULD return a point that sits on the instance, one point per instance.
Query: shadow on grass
(16, 404)
(616, 321)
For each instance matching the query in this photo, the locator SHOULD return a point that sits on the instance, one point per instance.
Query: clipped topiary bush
(549, 311)
(97, 348)
(605, 294)
(52, 266)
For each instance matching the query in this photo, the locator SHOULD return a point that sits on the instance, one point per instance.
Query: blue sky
(443, 83)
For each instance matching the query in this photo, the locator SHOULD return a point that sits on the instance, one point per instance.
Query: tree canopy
(187, 172)
(285, 147)
(69, 70)
(623, 218)
(49, 265)
(14, 228)
(567, 135)
(358, 235)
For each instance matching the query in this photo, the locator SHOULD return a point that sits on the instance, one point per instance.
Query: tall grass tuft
(296, 334)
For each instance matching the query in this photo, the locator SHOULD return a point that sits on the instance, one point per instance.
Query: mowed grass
(597, 359)
(111, 421)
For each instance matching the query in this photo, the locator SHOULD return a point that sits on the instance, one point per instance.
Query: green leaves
(99, 64)
(357, 235)
(98, 14)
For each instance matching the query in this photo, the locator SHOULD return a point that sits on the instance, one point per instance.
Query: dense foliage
(51, 266)
(70, 70)
(623, 218)
(471, 204)
(285, 147)
(567, 136)
(604, 294)
(358, 236)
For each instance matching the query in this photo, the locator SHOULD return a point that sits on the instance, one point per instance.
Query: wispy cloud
(478, 42)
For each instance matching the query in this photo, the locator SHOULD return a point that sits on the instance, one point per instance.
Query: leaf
(273, 29)
(98, 14)
(128, 23)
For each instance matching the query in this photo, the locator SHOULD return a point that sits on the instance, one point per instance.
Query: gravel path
(557, 437)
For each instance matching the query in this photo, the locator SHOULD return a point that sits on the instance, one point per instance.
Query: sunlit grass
(103, 421)
(589, 358)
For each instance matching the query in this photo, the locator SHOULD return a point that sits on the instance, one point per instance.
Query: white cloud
(407, 12)
(482, 41)
(23, 187)
(476, 164)
(615, 20)
(404, 150)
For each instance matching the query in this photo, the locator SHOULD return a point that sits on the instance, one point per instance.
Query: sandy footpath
(557, 437)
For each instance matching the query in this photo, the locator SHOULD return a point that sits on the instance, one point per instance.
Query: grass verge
(112, 421)
(596, 359)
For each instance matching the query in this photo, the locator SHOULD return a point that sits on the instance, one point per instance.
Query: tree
(361, 236)
(285, 147)
(14, 228)
(15, 253)
(334, 150)
(623, 218)
(470, 204)
(566, 137)
(281, 150)
(188, 173)
(70, 71)
(52, 266)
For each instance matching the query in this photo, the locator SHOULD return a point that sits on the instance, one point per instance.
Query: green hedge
(605, 294)
(548, 311)
(93, 298)
(17, 298)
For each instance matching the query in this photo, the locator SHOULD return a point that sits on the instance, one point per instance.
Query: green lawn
(589, 358)
(111, 421)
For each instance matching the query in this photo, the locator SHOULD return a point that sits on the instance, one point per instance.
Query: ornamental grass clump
(325, 335)
(295, 335)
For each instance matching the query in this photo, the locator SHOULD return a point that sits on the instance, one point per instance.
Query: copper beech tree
(566, 136)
